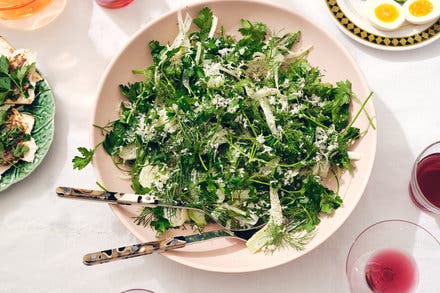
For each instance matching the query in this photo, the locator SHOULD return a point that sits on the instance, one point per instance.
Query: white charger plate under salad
(227, 254)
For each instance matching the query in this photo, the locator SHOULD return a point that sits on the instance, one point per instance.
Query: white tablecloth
(43, 238)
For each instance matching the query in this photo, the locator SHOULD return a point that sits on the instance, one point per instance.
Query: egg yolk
(386, 12)
(421, 8)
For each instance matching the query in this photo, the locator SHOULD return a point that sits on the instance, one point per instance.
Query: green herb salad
(18, 90)
(243, 129)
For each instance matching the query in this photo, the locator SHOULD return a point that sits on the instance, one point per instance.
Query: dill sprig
(285, 236)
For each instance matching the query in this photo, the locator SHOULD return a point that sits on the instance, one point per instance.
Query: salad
(18, 82)
(243, 129)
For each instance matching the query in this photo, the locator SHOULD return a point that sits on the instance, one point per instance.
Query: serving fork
(145, 248)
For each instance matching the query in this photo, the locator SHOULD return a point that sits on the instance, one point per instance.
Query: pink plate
(229, 255)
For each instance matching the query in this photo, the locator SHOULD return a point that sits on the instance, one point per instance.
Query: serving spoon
(146, 248)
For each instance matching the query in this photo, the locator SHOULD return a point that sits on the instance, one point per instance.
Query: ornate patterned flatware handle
(106, 196)
(125, 252)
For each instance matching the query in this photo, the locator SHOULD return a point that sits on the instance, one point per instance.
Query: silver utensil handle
(107, 196)
(131, 251)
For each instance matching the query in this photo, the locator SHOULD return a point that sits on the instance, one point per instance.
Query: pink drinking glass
(137, 291)
(113, 4)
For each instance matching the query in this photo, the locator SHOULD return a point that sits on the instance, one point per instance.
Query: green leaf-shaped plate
(43, 109)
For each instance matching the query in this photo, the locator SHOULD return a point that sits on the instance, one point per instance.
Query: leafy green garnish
(155, 218)
(13, 82)
(19, 151)
(80, 162)
(252, 33)
(115, 139)
(4, 64)
(204, 21)
(3, 114)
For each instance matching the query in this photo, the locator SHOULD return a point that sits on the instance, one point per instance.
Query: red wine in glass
(113, 3)
(424, 187)
(428, 178)
(391, 271)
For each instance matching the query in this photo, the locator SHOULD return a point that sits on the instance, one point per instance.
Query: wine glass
(424, 187)
(394, 256)
(29, 14)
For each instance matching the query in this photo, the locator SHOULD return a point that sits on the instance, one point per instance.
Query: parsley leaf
(340, 105)
(3, 96)
(115, 138)
(2, 117)
(80, 162)
(252, 33)
(204, 21)
(22, 72)
(156, 49)
(343, 93)
(5, 84)
(160, 223)
(13, 80)
(20, 150)
(4, 64)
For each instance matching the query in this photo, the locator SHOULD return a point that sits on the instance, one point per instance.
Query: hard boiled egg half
(385, 14)
(421, 11)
